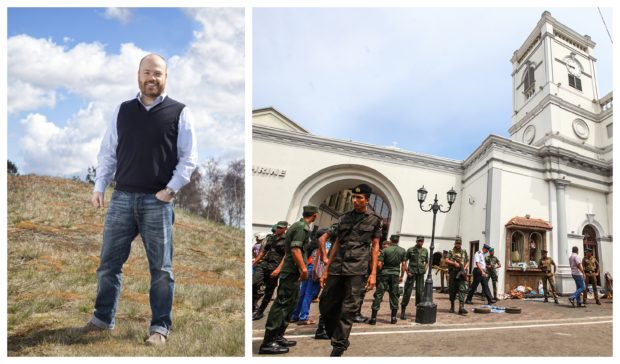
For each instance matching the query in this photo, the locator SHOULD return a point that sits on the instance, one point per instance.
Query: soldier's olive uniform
(392, 257)
(274, 252)
(491, 262)
(297, 236)
(589, 267)
(457, 285)
(341, 292)
(417, 257)
(547, 276)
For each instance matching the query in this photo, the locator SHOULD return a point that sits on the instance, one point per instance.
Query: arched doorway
(590, 241)
(331, 186)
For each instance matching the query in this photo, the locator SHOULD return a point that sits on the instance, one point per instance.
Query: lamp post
(426, 311)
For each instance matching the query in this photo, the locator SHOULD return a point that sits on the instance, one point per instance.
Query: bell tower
(555, 92)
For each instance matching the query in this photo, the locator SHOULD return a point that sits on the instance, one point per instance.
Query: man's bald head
(153, 57)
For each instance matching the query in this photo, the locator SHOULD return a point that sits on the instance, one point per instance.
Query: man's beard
(157, 90)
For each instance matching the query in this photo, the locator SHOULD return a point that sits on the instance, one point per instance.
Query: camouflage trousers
(549, 281)
(457, 286)
(389, 283)
(416, 279)
(493, 279)
(590, 279)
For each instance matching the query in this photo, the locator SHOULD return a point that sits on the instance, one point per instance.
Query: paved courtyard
(541, 329)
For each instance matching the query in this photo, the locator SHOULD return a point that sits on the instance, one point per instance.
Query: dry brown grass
(54, 238)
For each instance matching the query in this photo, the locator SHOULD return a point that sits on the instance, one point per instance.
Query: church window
(529, 81)
(574, 82)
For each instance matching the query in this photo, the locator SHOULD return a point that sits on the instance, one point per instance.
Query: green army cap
(588, 250)
(458, 240)
(310, 209)
(419, 238)
(282, 224)
(491, 249)
(363, 189)
(395, 238)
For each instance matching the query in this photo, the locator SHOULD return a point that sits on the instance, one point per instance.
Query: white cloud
(49, 149)
(208, 77)
(24, 96)
(121, 14)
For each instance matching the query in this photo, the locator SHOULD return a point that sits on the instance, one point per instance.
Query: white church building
(549, 186)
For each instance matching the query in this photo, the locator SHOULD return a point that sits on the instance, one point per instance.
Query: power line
(605, 24)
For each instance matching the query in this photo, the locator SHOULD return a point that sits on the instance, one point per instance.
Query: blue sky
(69, 67)
(428, 80)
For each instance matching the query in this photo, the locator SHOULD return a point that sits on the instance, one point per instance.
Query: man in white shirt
(149, 149)
(576, 270)
(480, 276)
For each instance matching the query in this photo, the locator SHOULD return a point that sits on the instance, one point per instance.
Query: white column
(564, 280)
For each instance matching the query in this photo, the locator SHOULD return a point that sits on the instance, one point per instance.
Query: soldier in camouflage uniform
(293, 269)
(359, 232)
(545, 264)
(590, 267)
(492, 264)
(392, 264)
(266, 272)
(443, 268)
(418, 262)
(457, 260)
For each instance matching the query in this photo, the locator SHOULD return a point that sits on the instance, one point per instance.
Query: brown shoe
(156, 339)
(306, 322)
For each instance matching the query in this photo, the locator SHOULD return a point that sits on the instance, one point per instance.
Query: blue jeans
(581, 286)
(307, 291)
(131, 214)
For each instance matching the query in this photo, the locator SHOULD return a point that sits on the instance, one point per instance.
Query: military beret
(282, 224)
(486, 246)
(362, 189)
(310, 209)
(419, 238)
(543, 251)
(458, 240)
(273, 228)
(395, 238)
(491, 249)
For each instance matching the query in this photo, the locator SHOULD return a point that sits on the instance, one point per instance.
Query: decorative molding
(559, 102)
(543, 141)
(355, 149)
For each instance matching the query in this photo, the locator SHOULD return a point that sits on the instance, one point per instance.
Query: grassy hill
(54, 239)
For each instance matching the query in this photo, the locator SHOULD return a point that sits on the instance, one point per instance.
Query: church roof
(527, 222)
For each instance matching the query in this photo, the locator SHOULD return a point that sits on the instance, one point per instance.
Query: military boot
(359, 318)
(451, 307)
(373, 318)
(321, 333)
(270, 346)
(462, 310)
(393, 320)
(283, 341)
(403, 314)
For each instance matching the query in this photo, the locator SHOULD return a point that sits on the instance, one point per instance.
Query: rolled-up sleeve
(297, 238)
(186, 151)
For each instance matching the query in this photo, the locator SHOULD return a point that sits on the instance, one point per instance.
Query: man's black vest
(147, 145)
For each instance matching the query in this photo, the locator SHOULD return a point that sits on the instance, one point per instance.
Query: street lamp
(426, 311)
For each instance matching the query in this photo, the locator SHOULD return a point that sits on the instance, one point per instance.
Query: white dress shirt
(479, 258)
(186, 150)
